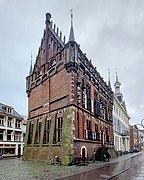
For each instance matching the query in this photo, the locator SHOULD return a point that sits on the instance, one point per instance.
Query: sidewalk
(105, 170)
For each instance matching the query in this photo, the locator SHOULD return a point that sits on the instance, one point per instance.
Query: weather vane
(71, 11)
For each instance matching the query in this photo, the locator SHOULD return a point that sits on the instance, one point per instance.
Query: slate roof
(15, 114)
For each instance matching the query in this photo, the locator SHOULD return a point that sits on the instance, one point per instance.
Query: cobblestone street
(12, 169)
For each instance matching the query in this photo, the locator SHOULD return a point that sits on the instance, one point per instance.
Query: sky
(110, 32)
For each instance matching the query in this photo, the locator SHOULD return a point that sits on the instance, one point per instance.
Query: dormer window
(8, 110)
(52, 62)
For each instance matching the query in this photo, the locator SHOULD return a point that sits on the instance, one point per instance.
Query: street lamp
(142, 123)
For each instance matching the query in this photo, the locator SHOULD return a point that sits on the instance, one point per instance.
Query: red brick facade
(134, 138)
(69, 104)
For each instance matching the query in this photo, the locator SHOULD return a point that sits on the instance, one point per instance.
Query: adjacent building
(134, 138)
(12, 131)
(120, 122)
(141, 139)
(69, 104)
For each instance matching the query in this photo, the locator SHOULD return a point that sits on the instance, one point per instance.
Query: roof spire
(71, 35)
(116, 74)
(117, 85)
(31, 69)
(109, 83)
(71, 17)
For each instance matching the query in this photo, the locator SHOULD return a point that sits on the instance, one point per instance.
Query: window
(88, 96)
(52, 62)
(38, 132)
(47, 131)
(1, 121)
(107, 136)
(96, 105)
(30, 133)
(8, 110)
(1, 135)
(24, 134)
(17, 123)
(89, 130)
(9, 135)
(60, 122)
(97, 132)
(83, 93)
(9, 122)
(103, 109)
(58, 130)
(17, 136)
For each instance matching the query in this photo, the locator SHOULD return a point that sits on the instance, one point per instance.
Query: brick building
(134, 138)
(69, 103)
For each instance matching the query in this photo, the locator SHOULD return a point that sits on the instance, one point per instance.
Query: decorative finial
(109, 84)
(54, 27)
(109, 73)
(71, 36)
(64, 39)
(116, 74)
(71, 11)
(48, 17)
(57, 30)
(51, 23)
(30, 72)
(31, 57)
(60, 34)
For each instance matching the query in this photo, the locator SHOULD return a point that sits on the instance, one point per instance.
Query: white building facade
(12, 131)
(120, 122)
(141, 139)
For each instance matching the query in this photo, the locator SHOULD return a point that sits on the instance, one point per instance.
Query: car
(136, 150)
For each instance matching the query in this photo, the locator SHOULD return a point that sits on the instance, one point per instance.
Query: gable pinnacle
(109, 83)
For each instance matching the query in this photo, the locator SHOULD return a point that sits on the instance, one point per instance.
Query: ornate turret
(117, 85)
(71, 50)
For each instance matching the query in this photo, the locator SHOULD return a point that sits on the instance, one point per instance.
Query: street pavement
(120, 168)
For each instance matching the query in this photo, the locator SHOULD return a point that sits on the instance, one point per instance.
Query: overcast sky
(110, 32)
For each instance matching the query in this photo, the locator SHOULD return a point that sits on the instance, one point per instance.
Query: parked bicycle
(55, 160)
